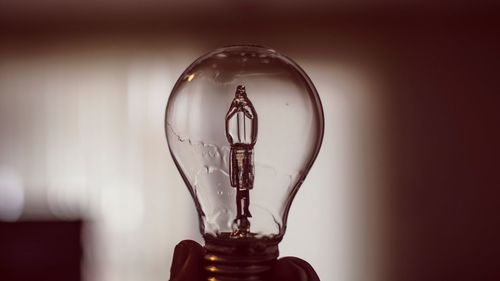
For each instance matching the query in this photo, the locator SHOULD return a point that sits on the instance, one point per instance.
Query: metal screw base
(243, 259)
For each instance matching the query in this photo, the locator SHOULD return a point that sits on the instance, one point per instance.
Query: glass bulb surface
(244, 125)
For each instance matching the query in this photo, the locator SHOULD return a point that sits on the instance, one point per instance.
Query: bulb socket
(241, 259)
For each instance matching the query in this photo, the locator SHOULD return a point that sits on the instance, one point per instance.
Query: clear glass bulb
(244, 125)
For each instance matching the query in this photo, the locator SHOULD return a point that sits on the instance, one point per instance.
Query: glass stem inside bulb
(241, 133)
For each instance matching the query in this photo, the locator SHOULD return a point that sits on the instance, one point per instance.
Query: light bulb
(244, 125)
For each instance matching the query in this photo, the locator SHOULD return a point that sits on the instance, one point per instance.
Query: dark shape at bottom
(40, 250)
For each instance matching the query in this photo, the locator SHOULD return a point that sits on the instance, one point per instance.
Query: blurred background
(405, 185)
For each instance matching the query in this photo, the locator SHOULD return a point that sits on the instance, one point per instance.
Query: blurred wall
(401, 190)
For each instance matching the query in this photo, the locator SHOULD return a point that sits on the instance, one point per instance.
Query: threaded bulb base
(243, 259)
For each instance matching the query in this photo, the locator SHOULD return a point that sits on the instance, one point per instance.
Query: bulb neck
(242, 259)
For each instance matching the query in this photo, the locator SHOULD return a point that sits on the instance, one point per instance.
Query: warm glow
(212, 269)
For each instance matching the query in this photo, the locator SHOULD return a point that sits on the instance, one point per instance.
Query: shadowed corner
(40, 250)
